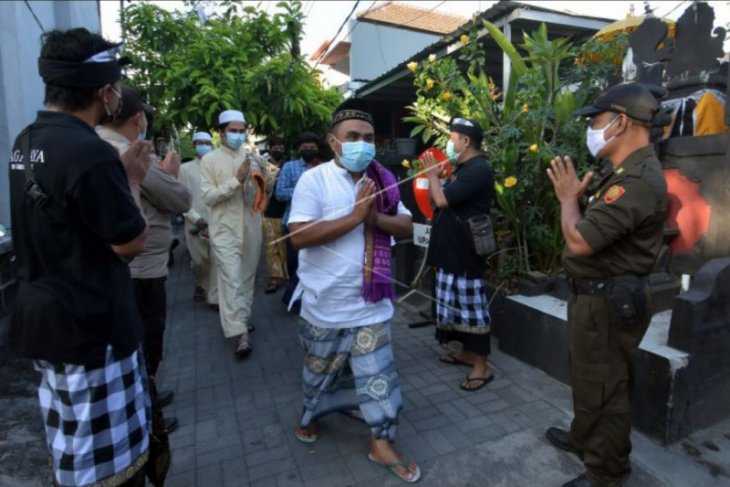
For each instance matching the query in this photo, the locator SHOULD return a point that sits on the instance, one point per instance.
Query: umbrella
(629, 24)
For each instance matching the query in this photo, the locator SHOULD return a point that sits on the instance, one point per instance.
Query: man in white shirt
(196, 224)
(234, 187)
(343, 216)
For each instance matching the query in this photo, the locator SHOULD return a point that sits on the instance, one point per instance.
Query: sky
(325, 17)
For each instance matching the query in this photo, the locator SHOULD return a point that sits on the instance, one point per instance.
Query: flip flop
(483, 382)
(451, 359)
(391, 467)
(304, 438)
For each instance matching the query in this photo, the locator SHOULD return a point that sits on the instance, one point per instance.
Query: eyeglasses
(119, 97)
(236, 131)
(592, 123)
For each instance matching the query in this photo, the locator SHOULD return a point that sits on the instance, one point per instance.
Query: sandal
(391, 467)
(303, 437)
(483, 381)
(451, 359)
(243, 348)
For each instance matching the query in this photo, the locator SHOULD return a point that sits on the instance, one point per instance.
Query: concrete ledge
(534, 329)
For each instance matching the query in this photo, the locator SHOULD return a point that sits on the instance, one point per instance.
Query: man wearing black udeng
(462, 308)
(75, 216)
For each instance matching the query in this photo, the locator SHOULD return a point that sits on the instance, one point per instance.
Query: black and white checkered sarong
(462, 304)
(97, 421)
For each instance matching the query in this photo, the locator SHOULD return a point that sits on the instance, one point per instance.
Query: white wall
(21, 89)
(378, 48)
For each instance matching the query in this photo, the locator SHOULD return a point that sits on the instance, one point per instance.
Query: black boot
(579, 481)
(560, 438)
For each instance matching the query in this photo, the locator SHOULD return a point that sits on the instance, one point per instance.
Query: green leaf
(518, 65)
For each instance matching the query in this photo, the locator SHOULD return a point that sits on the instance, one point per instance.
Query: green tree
(241, 58)
(525, 127)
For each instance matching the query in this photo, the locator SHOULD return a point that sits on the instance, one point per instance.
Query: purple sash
(378, 276)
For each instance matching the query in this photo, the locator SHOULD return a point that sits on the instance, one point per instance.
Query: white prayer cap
(202, 136)
(231, 116)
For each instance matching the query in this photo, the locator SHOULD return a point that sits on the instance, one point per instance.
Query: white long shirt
(331, 275)
(225, 194)
(191, 178)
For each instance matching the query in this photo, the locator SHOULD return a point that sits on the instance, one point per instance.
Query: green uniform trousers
(602, 373)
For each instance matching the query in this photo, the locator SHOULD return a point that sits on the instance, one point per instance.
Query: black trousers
(602, 351)
(151, 299)
(292, 264)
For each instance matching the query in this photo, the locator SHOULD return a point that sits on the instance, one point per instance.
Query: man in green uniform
(610, 249)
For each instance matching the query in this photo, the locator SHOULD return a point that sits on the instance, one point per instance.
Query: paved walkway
(237, 417)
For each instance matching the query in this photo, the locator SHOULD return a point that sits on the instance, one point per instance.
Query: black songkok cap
(132, 104)
(100, 69)
(466, 126)
(352, 109)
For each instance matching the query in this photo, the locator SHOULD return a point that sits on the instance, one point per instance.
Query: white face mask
(595, 138)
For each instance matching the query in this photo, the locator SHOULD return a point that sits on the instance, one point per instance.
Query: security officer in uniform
(611, 247)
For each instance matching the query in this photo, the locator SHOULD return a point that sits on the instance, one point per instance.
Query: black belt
(591, 287)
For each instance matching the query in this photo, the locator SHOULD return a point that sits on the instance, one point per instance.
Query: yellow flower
(429, 83)
(412, 66)
(510, 181)
(525, 108)
(493, 93)
(464, 39)
(534, 148)
(447, 96)
(406, 163)
(432, 57)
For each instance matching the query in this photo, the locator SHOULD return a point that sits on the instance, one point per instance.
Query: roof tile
(404, 15)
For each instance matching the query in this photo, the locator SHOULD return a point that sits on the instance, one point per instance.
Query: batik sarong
(351, 368)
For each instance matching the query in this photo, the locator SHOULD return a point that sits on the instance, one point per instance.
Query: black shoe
(579, 481)
(164, 398)
(243, 348)
(198, 294)
(170, 424)
(560, 438)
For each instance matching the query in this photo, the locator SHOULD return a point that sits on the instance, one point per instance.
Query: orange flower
(493, 93)
(464, 39)
(429, 83)
(447, 96)
(534, 148)
(525, 108)
(510, 181)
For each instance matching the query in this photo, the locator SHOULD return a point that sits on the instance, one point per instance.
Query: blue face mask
(202, 149)
(234, 141)
(357, 156)
(142, 136)
(451, 152)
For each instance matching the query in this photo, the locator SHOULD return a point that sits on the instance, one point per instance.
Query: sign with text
(421, 234)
